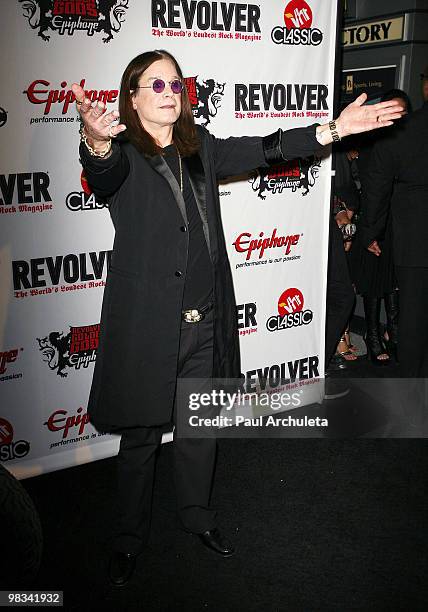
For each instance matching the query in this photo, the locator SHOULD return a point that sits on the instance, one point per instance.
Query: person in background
(375, 278)
(424, 82)
(396, 191)
(346, 202)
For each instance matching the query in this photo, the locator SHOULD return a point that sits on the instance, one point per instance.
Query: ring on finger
(110, 133)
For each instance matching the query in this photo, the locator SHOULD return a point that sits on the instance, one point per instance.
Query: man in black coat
(397, 184)
(169, 309)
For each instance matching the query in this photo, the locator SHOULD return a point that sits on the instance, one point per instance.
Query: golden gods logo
(68, 17)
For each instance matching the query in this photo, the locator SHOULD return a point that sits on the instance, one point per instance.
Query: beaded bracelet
(92, 151)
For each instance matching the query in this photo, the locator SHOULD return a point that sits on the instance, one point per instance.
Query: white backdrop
(250, 69)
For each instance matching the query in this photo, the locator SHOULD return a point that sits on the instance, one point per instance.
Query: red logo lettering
(56, 422)
(37, 93)
(7, 357)
(244, 243)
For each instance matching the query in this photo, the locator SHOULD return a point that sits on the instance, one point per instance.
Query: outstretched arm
(238, 155)
(105, 165)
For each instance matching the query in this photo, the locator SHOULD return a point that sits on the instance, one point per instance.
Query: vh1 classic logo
(75, 350)
(291, 312)
(297, 29)
(78, 201)
(8, 448)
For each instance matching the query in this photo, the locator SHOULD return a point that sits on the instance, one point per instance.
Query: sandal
(351, 347)
(376, 350)
(347, 353)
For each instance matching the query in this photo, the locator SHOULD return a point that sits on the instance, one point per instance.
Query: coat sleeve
(105, 176)
(378, 185)
(237, 155)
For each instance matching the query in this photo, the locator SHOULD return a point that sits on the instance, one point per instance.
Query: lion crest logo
(90, 16)
(55, 350)
(205, 96)
(294, 175)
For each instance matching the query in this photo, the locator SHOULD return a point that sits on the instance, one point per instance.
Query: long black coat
(135, 372)
(397, 182)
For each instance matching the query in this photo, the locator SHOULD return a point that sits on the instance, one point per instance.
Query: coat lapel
(158, 163)
(198, 183)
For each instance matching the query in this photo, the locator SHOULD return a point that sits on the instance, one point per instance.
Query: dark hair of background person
(424, 82)
(184, 134)
(397, 93)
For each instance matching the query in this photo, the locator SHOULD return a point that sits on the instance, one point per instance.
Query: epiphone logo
(7, 357)
(60, 421)
(246, 244)
(37, 93)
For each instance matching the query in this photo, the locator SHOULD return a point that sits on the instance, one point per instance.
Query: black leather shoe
(337, 362)
(213, 540)
(335, 388)
(122, 566)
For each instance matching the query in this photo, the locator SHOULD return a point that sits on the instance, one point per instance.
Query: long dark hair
(184, 134)
(397, 93)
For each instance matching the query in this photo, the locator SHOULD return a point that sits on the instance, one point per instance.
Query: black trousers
(340, 294)
(194, 458)
(413, 324)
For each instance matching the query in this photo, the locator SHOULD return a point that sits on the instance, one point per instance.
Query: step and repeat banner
(250, 69)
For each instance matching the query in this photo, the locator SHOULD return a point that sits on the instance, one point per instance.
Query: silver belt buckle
(192, 316)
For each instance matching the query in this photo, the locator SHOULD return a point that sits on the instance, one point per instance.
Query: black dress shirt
(198, 287)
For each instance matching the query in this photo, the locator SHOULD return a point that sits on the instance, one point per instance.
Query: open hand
(98, 124)
(356, 118)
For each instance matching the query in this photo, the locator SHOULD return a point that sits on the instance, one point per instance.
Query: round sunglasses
(158, 86)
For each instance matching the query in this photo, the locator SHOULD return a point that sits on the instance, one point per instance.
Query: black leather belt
(194, 315)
